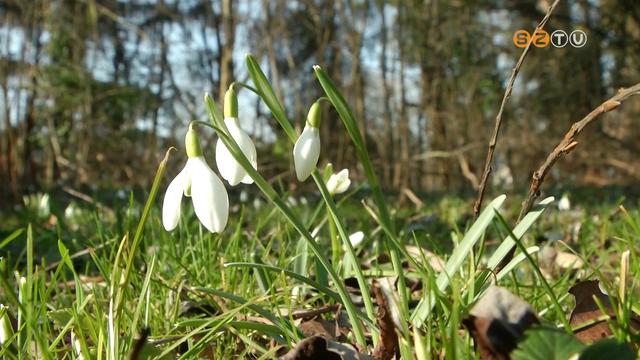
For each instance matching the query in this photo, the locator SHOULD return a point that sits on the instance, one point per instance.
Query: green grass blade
(520, 229)
(344, 111)
(457, 258)
(294, 220)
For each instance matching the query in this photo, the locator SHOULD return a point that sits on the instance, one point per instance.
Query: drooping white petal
(356, 238)
(173, 200)
(339, 183)
(306, 152)
(210, 199)
(229, 168)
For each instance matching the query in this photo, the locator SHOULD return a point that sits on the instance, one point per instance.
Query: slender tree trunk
(386, 102)
(405, 136)
(226, 48)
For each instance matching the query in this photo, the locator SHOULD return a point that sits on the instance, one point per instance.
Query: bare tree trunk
(405, 136)
(226, 49)
(386, 103)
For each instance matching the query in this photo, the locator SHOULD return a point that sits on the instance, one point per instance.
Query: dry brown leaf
(568, 261)
(314, 347)
(319, 327)
(436, 263)
(388, 341)
(497, 322)
(317, 347)
(587, 320)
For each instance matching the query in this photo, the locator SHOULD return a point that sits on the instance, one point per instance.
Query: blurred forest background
(94, 91)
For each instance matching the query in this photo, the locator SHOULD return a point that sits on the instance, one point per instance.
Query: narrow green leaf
(457, 258)
(520, 229)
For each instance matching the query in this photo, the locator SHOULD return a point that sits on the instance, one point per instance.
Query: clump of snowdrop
(306, 150)
(339, 183)
(229, 168)
(198, 181)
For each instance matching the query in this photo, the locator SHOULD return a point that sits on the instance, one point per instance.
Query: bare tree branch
(569, 143)
(507, 94)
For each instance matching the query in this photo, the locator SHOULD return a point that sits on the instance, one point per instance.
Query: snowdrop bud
(306, 151)
(339, 183)
(314, 115)
(229, 168)
(192, 143)
(230, 104)
(6, 330)
(22, 289)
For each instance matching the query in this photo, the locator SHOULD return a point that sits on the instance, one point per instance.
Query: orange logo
(521, 38)
(540, 38)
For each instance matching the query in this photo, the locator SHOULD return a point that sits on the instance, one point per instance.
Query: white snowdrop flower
(6, 330)
(197, 180)
(244, 196)
(257, 204)
(291, 200)
(356, 238)
(339, 183)
(306, 151)
(229, 168)
(304, 201)
(121, 194)
(564, 204)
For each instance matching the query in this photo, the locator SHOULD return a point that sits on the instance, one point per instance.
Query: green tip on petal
(192, 144)
(230, 103)
(313, 118)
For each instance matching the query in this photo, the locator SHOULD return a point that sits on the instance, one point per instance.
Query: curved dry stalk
(569, 143)
(507, 94)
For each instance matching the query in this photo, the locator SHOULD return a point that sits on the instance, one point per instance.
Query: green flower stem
(236, 84)
(349, 122)
(335, 243)
(270, 99)
(331, 207)
(218, 125)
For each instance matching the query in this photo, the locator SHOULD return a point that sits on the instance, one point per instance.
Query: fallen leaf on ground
(436, 263)
(568, 261)
(314, 347)
(317, 347)
(319, 327)
(497, 323)
(388, 342)
(588, 322)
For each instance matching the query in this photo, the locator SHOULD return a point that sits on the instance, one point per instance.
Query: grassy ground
(90, 291)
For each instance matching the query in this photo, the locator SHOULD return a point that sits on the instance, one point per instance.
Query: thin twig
(505, 98)
(569, 142)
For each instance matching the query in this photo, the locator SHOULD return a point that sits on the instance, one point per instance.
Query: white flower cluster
(208, 193)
